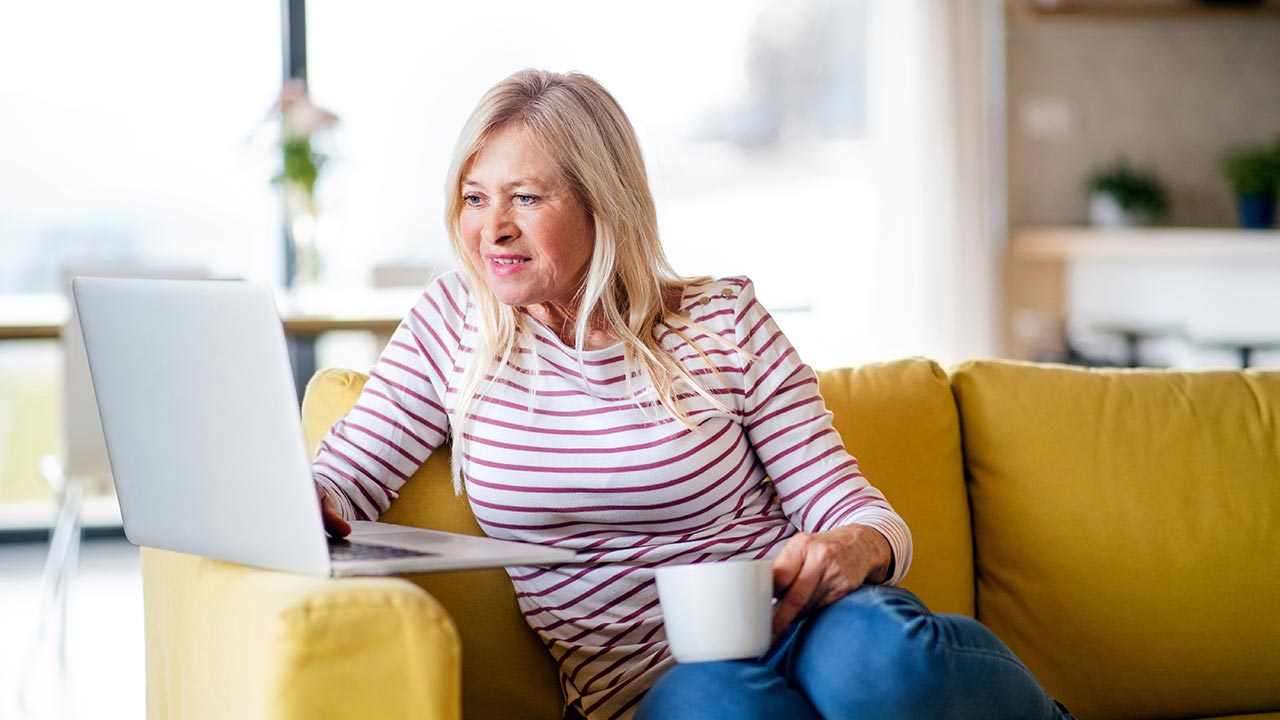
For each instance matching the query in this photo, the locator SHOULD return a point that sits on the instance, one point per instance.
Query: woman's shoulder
(704, 291)
(716, 301)
(448, 294)
(451, 282)
(444, 302)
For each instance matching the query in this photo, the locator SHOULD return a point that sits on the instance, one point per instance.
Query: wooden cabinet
(1040, 10)
(1215, 287)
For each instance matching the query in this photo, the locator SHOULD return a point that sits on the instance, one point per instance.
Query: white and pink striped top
(574, 455)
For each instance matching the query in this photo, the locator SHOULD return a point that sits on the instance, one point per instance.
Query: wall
(1168, 91)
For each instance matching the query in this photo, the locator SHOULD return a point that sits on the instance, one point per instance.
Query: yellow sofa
(1120, 530)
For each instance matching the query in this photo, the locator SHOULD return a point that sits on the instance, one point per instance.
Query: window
(130, 136)
(751, 116)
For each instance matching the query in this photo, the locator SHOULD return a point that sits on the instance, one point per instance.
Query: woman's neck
(563, 322)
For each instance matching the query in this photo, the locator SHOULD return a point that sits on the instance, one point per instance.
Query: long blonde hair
(579, 124)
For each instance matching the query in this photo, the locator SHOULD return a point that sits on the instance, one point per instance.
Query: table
(306, 314)
(1210, 286)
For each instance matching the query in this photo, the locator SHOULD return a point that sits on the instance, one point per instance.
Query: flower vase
(1257, 210)
(1106, 212)
(304, 264)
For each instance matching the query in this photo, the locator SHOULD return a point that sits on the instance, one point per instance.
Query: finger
(836, 582)
(336, 526)
(800, 594)
(334, 523)
(786, 565)
(834, 592)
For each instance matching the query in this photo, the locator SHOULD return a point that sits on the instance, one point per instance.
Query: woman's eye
(525, 199)
(471, 200)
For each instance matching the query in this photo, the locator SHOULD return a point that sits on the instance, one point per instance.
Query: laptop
(205, 442)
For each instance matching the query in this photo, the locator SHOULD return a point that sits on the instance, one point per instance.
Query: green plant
(300, 163)
(1253, 168)
(1135, 191)
(300, 166)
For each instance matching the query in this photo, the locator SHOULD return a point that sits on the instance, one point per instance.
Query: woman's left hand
(815, 570)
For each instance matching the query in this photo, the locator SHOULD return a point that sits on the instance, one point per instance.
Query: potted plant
(1254, 174)
(1122, 196)
(300, 166)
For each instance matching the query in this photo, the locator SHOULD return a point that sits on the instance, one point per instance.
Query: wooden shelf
(1075, 243)
(1027, 10)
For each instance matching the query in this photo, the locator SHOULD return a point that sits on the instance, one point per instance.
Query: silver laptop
(201, 422)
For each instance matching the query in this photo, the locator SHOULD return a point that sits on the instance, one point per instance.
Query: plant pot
(1257, 210)
(1105, 212)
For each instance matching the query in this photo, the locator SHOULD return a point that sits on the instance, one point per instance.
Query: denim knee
(880, 653)
(739, 689)
(872, 654)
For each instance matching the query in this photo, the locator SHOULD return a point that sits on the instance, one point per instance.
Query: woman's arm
(850, 535)
(400, 416)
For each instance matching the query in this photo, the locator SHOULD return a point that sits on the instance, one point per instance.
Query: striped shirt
(579, 455)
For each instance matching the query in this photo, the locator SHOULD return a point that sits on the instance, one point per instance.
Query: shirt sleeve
(789, 426)
(400, 416)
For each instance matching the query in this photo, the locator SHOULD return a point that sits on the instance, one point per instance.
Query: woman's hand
(334, 523)
(815, 570)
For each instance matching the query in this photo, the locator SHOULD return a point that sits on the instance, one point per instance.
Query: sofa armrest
(228, 641)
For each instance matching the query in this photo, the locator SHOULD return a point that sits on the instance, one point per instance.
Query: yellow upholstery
(1128, 533)
(1126, 526)
(900, 421)
(227, 641)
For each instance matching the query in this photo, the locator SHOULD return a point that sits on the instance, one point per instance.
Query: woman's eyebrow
(508, 185)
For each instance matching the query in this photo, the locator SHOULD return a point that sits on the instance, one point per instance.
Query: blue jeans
(879, 653)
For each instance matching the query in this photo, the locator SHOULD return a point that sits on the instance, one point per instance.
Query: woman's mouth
(503, 265)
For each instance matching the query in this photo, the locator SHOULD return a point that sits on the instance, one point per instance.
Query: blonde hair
(581, 126)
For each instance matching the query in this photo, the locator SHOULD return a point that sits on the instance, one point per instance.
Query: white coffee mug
(717, 610)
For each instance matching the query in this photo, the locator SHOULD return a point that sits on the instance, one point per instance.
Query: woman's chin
(507, 295)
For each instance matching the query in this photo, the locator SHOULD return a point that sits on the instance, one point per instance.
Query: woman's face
(523, 226)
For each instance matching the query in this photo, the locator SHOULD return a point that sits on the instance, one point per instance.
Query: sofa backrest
(898, 418)
(1127, 532)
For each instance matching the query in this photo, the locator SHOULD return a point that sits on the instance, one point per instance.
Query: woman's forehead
(512, 156)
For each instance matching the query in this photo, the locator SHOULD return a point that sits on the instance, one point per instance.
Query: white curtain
(936, 125)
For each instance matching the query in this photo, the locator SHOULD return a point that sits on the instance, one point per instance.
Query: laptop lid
(201, 422)
(84, 453)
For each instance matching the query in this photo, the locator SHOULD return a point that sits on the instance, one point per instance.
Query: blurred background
(1067, 181)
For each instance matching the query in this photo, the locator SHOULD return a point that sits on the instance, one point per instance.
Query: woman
(596, 400)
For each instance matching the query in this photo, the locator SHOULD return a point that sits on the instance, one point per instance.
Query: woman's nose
(499, 227)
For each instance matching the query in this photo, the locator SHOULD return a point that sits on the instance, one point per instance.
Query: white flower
(301, 118)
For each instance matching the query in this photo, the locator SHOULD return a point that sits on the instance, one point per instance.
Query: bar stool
(1133, 334)
(1243, 346)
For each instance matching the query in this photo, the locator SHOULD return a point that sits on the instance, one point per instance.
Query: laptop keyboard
(347, 550)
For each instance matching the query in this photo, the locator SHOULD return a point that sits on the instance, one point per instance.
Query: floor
(105, 651)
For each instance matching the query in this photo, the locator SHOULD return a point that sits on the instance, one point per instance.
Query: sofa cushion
(899, 420)
(230, 641)
(1127, 531)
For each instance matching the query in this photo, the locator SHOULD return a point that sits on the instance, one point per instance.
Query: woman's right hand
(334, 523)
